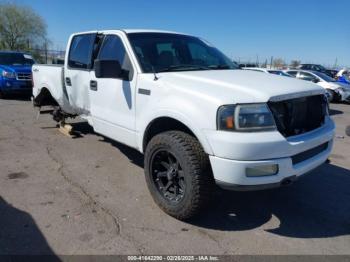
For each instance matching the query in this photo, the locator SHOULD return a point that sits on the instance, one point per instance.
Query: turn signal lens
(225, 118)
(230, 122)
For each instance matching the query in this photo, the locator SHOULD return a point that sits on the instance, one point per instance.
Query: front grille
(299, 115)
(309, 153)
(24, 76)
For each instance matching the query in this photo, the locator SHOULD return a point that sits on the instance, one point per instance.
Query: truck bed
(51, 77)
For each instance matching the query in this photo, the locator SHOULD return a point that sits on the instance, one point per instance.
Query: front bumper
(267, 149)
(16, 87)
(345, 96)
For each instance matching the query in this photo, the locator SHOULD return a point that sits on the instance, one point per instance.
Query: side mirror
(107, 69)
(315, 80)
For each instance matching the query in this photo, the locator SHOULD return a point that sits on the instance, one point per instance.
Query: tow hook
(288, 181)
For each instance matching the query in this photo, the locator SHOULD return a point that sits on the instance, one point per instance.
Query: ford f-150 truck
(198, 119)
(15, 73)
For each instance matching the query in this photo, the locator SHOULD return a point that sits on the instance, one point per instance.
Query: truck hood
(17, 68)
(241, 86)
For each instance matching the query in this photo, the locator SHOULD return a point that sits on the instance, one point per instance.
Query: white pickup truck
(198, 119)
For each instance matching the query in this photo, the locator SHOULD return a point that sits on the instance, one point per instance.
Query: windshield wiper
(219, 67)
(182, 67)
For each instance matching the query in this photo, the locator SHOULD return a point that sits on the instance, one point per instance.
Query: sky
(311, 31)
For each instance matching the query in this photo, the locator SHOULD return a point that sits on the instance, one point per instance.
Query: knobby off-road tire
(194, 176)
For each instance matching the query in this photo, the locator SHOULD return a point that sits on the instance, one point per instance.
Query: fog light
(263, 170)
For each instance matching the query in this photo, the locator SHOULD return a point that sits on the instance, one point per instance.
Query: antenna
(155, 74)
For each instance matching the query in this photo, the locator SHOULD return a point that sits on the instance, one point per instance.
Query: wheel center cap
(171, 173)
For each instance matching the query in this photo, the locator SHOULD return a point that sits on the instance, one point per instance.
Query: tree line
(21, 29)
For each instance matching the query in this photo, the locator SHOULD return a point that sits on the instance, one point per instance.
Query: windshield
(165, 52)
(324, 76)
(15, 59)
(320, 68)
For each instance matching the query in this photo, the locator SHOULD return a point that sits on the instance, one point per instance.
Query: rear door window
(81, 50)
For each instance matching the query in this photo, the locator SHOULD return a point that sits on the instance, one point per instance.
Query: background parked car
(242, 65)
(318, 68)
(268, 71)
(15, 73)
(337, 91)
(332, 72)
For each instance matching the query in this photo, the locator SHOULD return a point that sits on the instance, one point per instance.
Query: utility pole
(271, 62)
(335, 63)
(45, 46)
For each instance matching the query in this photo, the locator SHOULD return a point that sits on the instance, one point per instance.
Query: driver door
(113, 99)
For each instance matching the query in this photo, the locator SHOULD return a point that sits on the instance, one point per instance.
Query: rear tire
(178, 174)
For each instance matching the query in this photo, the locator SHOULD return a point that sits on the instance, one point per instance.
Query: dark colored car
(15, 73)
(332, 73)
(242, 65)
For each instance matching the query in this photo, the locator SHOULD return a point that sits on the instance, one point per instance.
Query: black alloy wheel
(168, 175)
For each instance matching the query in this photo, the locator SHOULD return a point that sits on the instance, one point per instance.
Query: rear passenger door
(113, 99)
(77, 71)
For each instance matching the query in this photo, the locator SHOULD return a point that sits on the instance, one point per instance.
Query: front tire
(178, 174)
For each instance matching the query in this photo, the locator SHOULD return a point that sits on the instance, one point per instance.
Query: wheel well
(45, 98)
(161, 125)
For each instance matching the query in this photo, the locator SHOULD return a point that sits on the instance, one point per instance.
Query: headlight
(8, 74)
(245, 118)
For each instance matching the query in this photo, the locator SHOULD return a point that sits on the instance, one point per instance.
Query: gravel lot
(88, 196)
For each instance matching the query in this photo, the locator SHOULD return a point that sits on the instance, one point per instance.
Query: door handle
(93, 85)
(68, 82)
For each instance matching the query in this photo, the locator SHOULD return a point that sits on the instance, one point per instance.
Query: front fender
(188, 114)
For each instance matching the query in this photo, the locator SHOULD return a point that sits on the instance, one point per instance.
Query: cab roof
(130, 31)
